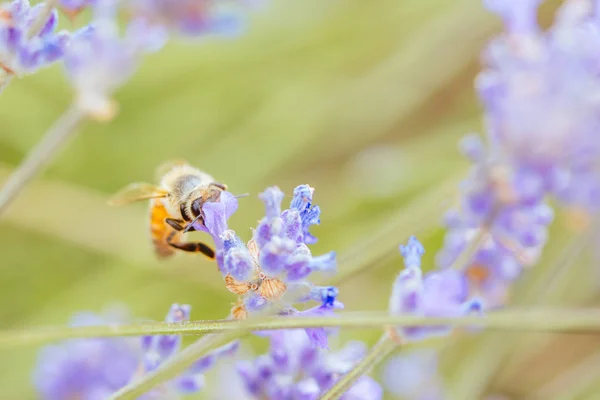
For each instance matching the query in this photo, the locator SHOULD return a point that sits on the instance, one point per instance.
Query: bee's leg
(192, 247)
(175, 223)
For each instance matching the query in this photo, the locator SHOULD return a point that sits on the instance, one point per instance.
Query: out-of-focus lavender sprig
(540, 91)
(274, 266)
(23, 51)
(96, 368)
(192, 18)
(296, 368)
(99, 59)
(441, 293)
(72, 8)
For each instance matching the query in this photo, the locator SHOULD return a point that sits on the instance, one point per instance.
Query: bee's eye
(196, 209)
(183, 211)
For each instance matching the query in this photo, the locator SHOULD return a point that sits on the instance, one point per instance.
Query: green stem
(58, 134)
(523, 320)
(376, 355)
(563, 320)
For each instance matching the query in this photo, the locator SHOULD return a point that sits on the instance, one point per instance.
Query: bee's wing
(135, 192)
(167, 166)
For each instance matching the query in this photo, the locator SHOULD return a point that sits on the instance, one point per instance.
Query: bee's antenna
(189, 226)
(242, 195)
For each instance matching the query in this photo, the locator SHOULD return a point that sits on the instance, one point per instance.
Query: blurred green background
(364, 101)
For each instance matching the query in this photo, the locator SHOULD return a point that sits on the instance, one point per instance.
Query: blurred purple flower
(413, 375)
(86, 368)
(192, 18)
(99, 59)
(97, 367)
(438, 294)
(540, 90)
(22, 53)
(295, 368)
(73, 7)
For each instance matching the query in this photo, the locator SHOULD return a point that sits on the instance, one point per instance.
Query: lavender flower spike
(275, 265)
(539, 88)
(440, 293)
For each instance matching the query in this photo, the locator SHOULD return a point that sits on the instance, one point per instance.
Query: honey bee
(175, 205)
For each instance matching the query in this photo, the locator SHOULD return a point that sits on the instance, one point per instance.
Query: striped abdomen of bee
(159, 230)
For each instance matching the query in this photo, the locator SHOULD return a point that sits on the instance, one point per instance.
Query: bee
(175, 205)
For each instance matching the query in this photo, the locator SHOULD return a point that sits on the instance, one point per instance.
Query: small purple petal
(217, 213)
(190, 384)
(275, 253)
(272, 198)
(292, 225)
(412, 252)
(179, 313)
(472, 146)
(407, 292)
(266, 230)
(302, 199)
(364, 388)
(239, 263)
(249, 376)
(307, 389)
(50, 25)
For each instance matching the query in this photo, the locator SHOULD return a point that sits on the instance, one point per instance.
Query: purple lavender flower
(438, 294)
(294, 368)
(277, 261)
(539, 92)
(22, 51)
(97, 367)
(192, 17)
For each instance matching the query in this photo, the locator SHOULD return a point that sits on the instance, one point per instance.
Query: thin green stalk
(376, 355)
(562, 320)
(58, 134)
